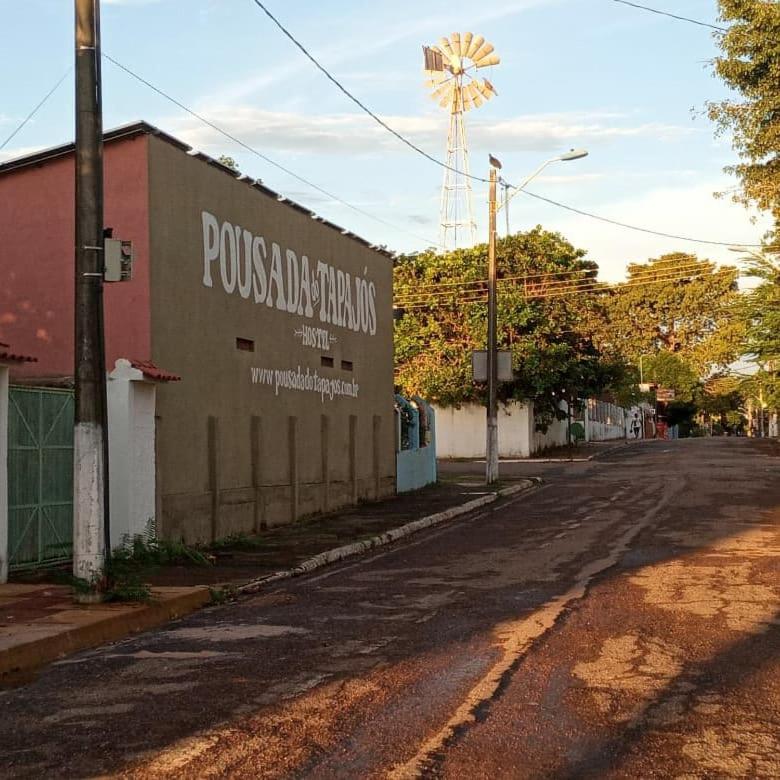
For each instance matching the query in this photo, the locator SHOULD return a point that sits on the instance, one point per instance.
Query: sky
(630, 87)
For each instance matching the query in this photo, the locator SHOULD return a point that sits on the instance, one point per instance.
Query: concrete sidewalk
(39, 621)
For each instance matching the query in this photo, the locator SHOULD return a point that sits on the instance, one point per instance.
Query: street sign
(479, 365)
(664, 394)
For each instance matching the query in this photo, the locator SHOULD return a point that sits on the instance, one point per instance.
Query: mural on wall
(240, 261)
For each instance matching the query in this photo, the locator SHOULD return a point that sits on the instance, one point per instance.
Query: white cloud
(352, 133)
(689, 210)
(359, 48)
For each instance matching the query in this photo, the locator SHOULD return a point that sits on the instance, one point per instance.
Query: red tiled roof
(6, 356)
(152, 371)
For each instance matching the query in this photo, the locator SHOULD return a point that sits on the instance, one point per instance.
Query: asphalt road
(621, 621)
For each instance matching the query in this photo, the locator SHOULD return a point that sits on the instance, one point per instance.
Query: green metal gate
(40, 476)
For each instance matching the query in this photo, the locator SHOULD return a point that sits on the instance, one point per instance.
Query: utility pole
(89, 455)
(491, 450)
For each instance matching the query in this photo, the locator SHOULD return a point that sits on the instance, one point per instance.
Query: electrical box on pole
(119, 260)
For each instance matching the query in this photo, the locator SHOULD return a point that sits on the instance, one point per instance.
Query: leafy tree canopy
(539, 319)
(750, 65)
(671, 371)
(692, 318)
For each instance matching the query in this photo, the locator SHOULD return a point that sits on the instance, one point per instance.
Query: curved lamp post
(572, 154)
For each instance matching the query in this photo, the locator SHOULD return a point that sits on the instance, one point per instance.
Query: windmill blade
(465, 43)
(466, 99)
(435, 79)
(441, 91)
(446, 49)
(482, 52)
(485, 89)
(455, 43)
(449, 99)
(476, 42)
(492, 59)
(489, 91)
(475, 94)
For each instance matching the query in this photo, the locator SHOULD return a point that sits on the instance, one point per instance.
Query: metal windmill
(450, 67)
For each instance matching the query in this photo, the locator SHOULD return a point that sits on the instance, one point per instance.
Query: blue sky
(629, 86)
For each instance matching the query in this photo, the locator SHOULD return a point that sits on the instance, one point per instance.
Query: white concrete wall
(131, 441)
(460, 433)
(606, 421)
(3, 474)
(554, 436)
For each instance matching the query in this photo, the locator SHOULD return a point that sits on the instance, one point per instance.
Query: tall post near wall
(491, 450)
(90, 447)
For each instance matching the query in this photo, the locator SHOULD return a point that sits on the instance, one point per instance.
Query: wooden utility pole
(90, 479)
(491, 459)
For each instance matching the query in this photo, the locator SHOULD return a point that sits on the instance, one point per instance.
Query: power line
(588, 286)
(438, 162)
(359, 103)
(671, 15)
(37, 107)
(625, 225)
(645, 276)
(262, 156)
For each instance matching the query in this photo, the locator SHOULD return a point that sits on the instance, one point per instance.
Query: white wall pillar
(131, 439)
(3, 474)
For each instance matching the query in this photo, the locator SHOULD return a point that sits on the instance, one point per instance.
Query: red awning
(8, 356)
(151, 371)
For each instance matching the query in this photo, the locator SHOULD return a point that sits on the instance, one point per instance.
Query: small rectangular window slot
(327, 362)
(346, 365)
(247, 345)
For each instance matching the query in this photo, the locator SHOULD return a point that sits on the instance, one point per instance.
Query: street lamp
(572, 154)
(491, 443)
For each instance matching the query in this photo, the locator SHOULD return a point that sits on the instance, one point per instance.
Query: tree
(657, 311)
(228, 162)
(762, 309)
(443, 321)
(671, 371)
(750, 65)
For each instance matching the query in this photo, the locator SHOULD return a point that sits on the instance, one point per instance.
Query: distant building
(278, 323)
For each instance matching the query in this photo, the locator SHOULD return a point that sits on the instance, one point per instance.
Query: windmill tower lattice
(450, 67)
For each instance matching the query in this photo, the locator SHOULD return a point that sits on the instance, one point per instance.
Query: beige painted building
(278, 323)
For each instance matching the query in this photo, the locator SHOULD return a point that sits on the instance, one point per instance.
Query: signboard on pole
(479, 365)
(664, 394)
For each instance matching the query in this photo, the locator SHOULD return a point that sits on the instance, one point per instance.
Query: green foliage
(671, 371)
(115, 583)
(147, 550)
(553, 356)
(240, 541)
(228, 162)
(692, 318)
(750, 65)
(221, 594)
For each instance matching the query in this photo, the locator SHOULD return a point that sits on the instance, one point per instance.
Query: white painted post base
(88, 542)
(131, 440)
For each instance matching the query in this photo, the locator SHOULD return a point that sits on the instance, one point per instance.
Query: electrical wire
(471, 176)
(625, 225)
(591, 287)
(359, 103)
(670, 15)
(648, 277)
(37, 108)
(262, 156)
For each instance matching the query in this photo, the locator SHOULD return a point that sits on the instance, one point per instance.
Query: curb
(29, 656)
(356, 548)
